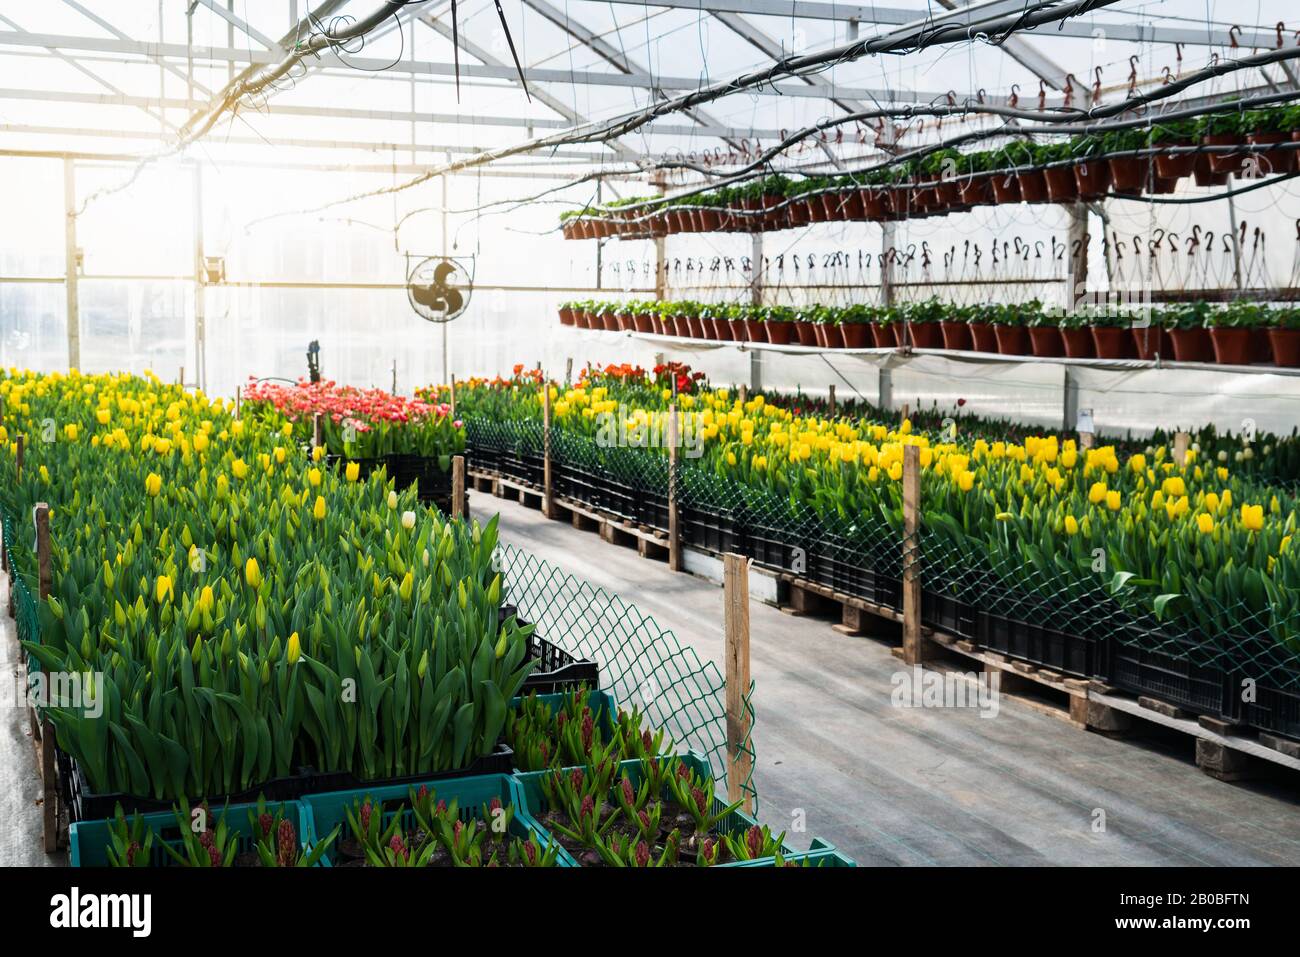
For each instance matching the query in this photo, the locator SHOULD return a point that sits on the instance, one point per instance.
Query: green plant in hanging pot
(855, 326)
(1284, 336)
(1177, 134)
(1111, 336)
(1091, 170)
(919, 324)
(1009, 328)
(1268, 127)
(1056, 160)
(1075, 330)
(1020, 158)
(1044, 327)
(1233, 331)
(778, 323)
(1128, 173)
(1221, 130)
(1184, 324)
(973, 178)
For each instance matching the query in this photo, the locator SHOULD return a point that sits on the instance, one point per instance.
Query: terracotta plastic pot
(644, 322)
(949, 194)
(1163, 186)
(1191, 345)
(900, 202)
(925, 335)
(874, 203)
(857, 335)
(625, 322)
(1046, 341)
(739, 330)
(1112, 342)
(819, 328)
(1263, 349)
(778, 333)
(721, 329)
(757, 330)
(1092, 178)
(1175, 165)
(1061, 187)
(834, 337)
(1151, 343)
(1224, 162)
(696, 326)
(976, 191)
(658, 325)
(956, 335)
(1129, 174)
(710, 220)
(609, 322)
(775, 218)
(566, 317)
(983, 338)
(851, 205)
(1205, 175)
(1012, 340)
(1006, 189)
(1033, 186)
(800, 214)
(1286, 346)
(817, 209)
(1233, 347)
(1077, 343)
(806, 332)
(682, 327)
(884, 336)
(1273, 161)
(833, 204)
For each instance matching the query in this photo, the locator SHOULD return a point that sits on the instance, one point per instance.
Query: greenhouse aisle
(934, 786)
(20, 788)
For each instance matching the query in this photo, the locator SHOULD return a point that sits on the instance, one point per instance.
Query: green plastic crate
(88, 840)
(326, 810)
(603, 705)
(819, 854)
(531, 796)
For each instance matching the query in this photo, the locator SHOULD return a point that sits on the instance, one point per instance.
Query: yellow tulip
(162, 589)
(1252, 517)
(293, 649)
(238, 468)
(1113, 501)
(318, 453)
(70, 430)
(313, 477)
(102, 416)
(252, 573)
(392, 499)
(1097, 492)
(1071, 525)
(353, 471)
(318, 510)
(279, 455)
(1205, 523)
(966, 481)
(153, 484)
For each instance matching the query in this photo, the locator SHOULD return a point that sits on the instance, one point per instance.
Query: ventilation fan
(439, 287)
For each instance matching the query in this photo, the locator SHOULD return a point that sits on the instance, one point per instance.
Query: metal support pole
(757, 279)
(200, 287)
(70, 261)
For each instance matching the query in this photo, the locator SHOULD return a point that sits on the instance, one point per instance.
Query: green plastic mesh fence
(640, 662)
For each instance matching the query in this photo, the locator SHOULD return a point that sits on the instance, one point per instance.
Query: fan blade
(425, 296)
(455, 302)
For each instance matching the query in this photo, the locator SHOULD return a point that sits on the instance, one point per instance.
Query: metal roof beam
(242, 25)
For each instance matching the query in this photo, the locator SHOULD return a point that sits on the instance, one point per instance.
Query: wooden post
(735, 590)
(180, 377)
(1086, 440)
(744, 393)
(904, 411)
(22, 442)
(453, 395)
(548, 507)
(674, 533)
(568, 370)
(315, 432)
(237, 399)
(49, 775)
(458, 509)
(832, 400)
(913, 641)
(1181, 443)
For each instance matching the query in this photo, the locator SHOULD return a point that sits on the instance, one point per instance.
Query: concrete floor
(20, 788)
(942, 786)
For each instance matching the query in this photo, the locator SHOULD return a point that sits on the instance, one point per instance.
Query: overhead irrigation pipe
(919, 37)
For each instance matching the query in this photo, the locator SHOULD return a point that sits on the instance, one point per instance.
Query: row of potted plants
(1130, 162)
(1237, 333)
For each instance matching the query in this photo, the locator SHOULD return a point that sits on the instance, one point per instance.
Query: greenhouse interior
(561, 433)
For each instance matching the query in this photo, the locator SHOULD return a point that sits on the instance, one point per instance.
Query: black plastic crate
(712, 531)
(948, 613)
(652, 509)
(85, 805)
(558, 670)
(1174, 679)
(1068, 653)
(1273, 710)
(618, 498)
(779, 548)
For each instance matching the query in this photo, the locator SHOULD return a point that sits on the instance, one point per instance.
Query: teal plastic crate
(88, 840)
(819, 854)
(324, 811)
(604, 708)
(531, 796)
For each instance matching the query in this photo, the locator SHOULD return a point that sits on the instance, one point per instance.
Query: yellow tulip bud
(293, 650)
(318, 510)
(353, 471)
(253, 573)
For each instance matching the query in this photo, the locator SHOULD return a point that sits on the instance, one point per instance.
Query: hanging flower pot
(1224, 162)
(721, 328)
(1205, 175)
(739, 331)
(875, 202)
(1092, 178)
(757, 330)
(820, 329)
(983, 338)
(800, 213)
(1046, 341)
(851, 206)
(1163, 186)
(956, 334)
(1128, 174)
(885, 335)
(778, 332)
(1061, 185)
(695, 328)
(1006, 187)
(1149, 342)
(710, 220)
(1272, 161)
(644, 322)
(566, 316)
(857, 335)
(949, 194)
(976, 190)
(817, 209)
(1112, 342)
(1011, 340)
(1191, 345)
(610, 322)
(834, 336)
(775, 215)
(832, 206)
(924, 335)
(625, 321)
(1033, 185)
(1233, 346)
(1286, 347)
(1077, 342)
(1175, 165)
(806, 331)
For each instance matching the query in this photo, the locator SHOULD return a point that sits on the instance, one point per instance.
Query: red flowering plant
(360, 423)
